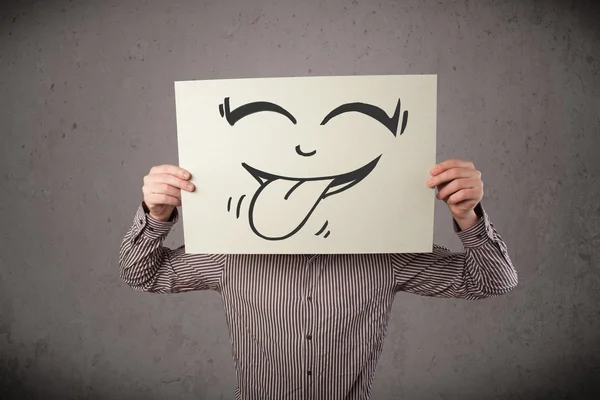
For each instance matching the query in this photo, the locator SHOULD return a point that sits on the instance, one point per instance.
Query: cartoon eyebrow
(373, 112)
(243, 111)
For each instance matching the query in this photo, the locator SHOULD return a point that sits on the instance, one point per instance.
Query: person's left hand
(460, 187)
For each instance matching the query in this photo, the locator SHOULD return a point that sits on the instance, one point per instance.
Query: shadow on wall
(24, 381)
(18, 382)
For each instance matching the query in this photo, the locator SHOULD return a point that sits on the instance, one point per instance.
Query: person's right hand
(162, 190)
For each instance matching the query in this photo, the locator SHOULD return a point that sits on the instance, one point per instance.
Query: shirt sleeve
(146, 265)
(483, 270)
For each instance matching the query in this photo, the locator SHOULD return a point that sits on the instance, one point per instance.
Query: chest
(275, 283)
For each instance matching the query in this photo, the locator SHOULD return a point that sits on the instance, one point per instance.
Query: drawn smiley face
(298, 196)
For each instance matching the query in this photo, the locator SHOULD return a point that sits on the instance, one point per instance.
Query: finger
(456, 185)
(169, 179)
(161, 188)
(463, 195)
(162, 199)
(171, 170)
(448, 164)
(454, 173)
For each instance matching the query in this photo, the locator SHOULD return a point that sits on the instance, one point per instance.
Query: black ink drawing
(277, 189)
(274, 188)
(238, 209)
(374, 112)
(243, 111)
(323, 230)
(303, 154)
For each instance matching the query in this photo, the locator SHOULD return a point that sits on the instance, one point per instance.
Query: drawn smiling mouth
(291, 201)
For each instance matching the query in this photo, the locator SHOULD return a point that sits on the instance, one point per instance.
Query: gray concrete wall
(86, 108)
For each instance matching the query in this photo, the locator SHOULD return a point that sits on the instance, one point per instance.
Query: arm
(483, 270)
(146, 265)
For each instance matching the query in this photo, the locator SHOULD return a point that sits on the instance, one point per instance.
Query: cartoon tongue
(281, 207)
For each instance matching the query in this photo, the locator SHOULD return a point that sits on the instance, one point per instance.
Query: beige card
(308, 165)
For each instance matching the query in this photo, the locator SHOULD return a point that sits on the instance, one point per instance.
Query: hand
(460, 187)
(162, 190)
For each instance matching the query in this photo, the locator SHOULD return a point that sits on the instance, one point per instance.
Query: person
(313, 326)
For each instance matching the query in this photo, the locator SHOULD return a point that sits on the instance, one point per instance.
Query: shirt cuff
(478, 234)
(151, 228)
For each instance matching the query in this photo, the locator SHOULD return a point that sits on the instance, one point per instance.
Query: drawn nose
(303, 154)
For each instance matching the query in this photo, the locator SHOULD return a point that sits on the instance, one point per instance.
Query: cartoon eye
(391, 123)
(233, 116)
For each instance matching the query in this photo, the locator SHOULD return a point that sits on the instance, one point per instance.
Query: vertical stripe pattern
(313, 326)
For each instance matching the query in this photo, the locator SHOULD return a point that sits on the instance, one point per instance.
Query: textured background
(86, 108)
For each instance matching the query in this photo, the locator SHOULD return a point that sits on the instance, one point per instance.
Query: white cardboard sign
(308, 165)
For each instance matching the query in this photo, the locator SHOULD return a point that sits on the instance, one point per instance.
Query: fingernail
(185, 174)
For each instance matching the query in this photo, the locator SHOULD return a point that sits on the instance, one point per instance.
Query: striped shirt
(313, 326)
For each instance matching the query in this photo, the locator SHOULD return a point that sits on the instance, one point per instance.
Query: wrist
(467, 220)
(161, 218)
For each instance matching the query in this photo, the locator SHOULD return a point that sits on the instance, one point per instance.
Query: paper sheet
(308, 165)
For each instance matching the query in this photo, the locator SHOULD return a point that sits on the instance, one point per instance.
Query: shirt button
(309, 373)
(309, 298)
(141, 221)
(308, 337)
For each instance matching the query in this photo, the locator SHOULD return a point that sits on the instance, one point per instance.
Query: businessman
(313, 326)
